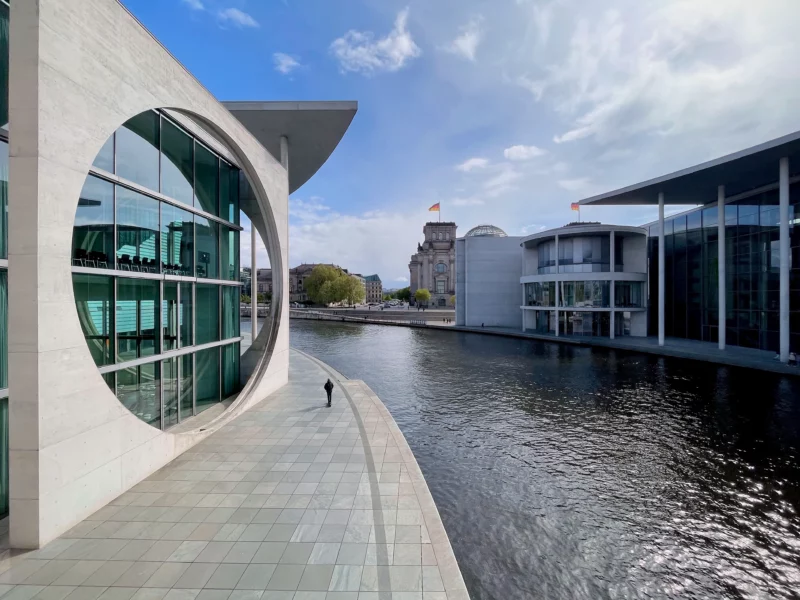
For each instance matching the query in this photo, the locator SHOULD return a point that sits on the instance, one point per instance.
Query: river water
(571, 473)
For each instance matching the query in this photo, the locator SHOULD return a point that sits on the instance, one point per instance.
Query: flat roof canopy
(739, 172)
(313, 129)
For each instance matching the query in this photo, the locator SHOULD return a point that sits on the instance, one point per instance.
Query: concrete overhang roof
(313, 129)
(739, 172)
(589, 229)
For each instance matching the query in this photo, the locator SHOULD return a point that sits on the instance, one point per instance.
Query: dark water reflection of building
(566, 472)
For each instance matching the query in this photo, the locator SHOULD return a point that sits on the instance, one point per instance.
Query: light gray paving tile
(230, 532)
(346, 578)
(324, 553)
(255, 532)
(269, 552)
(407, 554)
(267, 515)
(109, 573)
(306, 533)
(161, 550)
(50, 572)
(180, 531)
(280, 533)
(133, 550)
(351, 554)
(243, 515)
(379, 554)
(296, 553)
(118, 593)
(220, 515)
(246, 594)
(166, 575)
(22, 570)
(196, 576)
(179, 594)
(55, 592)
(79, 573)
(316, 578)
(23, 592)
(256, 577)
(150, 594)
(215, 552)
(52, 550)
(407, 534)
(226, 576)
(405, 579)
(85, 593)
(285, 577)
(204, 531)
(207, 594)
(241, 552)
(357, 534)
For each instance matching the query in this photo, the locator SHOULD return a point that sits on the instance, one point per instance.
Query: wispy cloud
(194, 4)
(503, 181)
(521, 152)
(471, 164)
(285, 63)
(466, 202)
(580, 184)
(466, 44)
(236, 18)
(360, 52)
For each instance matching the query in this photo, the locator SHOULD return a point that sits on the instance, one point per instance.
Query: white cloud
(472, 163)
(359, 52)
(467, 202)
(236, 17)
(466, 44)
(194, 4)
(520, 152)
(285, 63)
(574, 185)
(502, 182)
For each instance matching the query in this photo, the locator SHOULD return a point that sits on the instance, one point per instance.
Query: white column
(661, 268)
(523, 304)
(558, 291)
(612, 285)
(783, 194)
(253, 284)
(721, 278)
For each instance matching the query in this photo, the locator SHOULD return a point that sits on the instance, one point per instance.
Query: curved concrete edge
(371, 411)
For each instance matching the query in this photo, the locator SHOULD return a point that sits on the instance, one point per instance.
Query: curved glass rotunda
(486, 231)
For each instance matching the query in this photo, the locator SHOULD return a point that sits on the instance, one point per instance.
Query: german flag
(434, 208)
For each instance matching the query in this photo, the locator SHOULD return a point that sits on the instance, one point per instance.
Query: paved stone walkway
(290, 501)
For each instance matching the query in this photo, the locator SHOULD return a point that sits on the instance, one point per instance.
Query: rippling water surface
(570, 473)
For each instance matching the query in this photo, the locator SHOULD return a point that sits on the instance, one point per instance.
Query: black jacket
(328, 386)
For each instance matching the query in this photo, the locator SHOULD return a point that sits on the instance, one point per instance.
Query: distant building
(362, 280)
(264, 281)
(433, 267)
(374, 291)
(297, 277)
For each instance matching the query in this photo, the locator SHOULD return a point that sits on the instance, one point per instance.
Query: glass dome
(486, 231)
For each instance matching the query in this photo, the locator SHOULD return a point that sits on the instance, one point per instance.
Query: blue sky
(505, 111)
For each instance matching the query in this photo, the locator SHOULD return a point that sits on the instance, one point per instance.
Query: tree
(354, 292)
(422, 296)
(320, 275)
(453, 300)
(403, 294)
(244, 299)
(387, 296)
(326, 293)
(263, 298)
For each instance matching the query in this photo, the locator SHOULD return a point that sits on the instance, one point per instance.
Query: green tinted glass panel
(187, 385)
(3, 329)
(207, 379)
(228, 192)
(3, 457)
(137, 150)
(230, 312)
(3, 65)
(169, 315)
(136, 318)
(3, 199)
(206, 182)
(105, 158)
(169, 376)
(229, 253)
(207, 325)
(177, 241)
(137, 232)
(207, 257)
(177, 163)
(185, 316)
(230, 370)
(93, 233)
(94, 299)
(139, 390)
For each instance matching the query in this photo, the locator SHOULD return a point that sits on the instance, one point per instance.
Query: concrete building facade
(374, 289)
(433, 265)
(585, 279)
(488, 268)
(125, 181)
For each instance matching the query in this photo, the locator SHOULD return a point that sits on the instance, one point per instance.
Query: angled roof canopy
(739, 172)
(313, 129)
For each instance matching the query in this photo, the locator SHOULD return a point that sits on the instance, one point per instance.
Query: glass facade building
(752, 266)
(155, 260)
(4, 68)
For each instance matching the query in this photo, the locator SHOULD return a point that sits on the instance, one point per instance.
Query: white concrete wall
(492, 270)
(78, 71)
(634, 254)
(639, 324)
(530, 260)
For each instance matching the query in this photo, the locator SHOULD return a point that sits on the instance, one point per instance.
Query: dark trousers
(329, 396)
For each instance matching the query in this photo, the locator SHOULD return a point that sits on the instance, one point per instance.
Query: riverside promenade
(290, 501)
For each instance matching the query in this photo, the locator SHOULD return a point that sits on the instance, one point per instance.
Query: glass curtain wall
(157, 245)
(4, 65)
(753, 273)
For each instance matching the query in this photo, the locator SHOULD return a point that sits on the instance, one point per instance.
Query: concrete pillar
(661, 268)
(783, 194)
(253, 284)
(558, 290)
(612, 286)
(721, 278)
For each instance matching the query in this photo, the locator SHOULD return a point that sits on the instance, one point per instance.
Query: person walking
(329, 390)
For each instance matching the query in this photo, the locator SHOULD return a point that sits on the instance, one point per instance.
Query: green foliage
(387, 297)
(422, 296)
(244, 299)
(403, 294)
(453, 300)
(326, 285)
